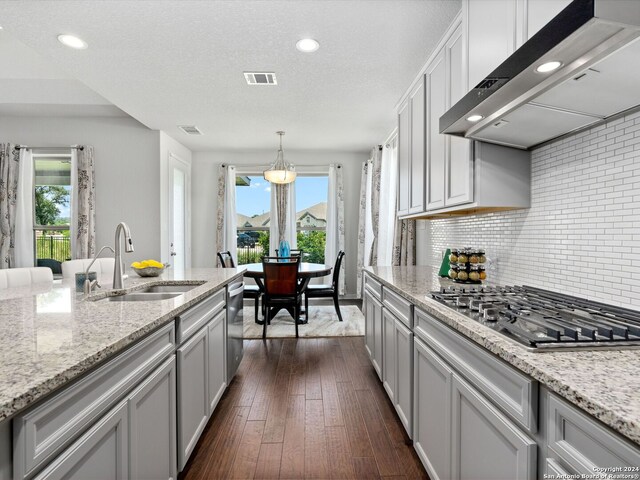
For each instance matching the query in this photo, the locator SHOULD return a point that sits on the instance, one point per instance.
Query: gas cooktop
(542, 320)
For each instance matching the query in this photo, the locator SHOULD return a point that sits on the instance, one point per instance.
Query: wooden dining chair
(326, 291)
(281, 287)
(250, 291)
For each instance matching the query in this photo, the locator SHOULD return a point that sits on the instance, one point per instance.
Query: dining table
(305, 274)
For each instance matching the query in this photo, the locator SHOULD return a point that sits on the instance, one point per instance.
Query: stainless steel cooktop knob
(463, 302)
(490, 314)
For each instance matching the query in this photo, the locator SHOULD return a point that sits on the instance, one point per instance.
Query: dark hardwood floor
(304, 408)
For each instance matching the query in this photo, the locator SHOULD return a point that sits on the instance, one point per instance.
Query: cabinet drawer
(515, 393)
(47, 428)
(192, 320)
(583, 443)
(374, 287)
(399, 306)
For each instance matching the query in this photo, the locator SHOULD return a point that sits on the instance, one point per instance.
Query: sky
(256, 199)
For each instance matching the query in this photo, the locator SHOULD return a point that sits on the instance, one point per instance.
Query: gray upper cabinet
(152, 426)
(537, 13)
(459, 159)
(484, 443)
(417, 178)
(404, 158)
(99, 453)
(436, 79)
(411, 151)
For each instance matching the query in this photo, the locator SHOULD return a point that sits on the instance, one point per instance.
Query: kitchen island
(529, 387)
(54, 338)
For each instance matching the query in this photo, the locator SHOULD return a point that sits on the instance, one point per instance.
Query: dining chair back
(226, 260)
(102, 266)
(23, 277)
(281, 287)
(292, 253)
(250, 291)
(326, 291)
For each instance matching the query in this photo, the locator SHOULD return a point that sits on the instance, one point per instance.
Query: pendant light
(280, 171)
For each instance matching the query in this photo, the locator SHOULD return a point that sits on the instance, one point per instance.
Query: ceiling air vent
(260, 78)
(190, 129)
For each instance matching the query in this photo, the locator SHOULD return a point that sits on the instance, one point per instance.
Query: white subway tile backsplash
(581, 235)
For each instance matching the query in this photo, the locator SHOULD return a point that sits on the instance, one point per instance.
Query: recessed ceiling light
(72, 41)
(548, 67)
(475, 118)
(307, 45)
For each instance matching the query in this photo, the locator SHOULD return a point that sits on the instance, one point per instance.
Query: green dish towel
(444, 268)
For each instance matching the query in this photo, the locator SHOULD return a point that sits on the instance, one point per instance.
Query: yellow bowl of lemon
(148, 268)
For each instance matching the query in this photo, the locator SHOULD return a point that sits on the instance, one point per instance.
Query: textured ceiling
(171, 62)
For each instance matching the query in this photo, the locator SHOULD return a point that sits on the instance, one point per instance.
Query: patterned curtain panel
(9, 171)
(83, 188)
(364, 219)
(226, 218)
(335, 221)
(376, 156)
(404, 243)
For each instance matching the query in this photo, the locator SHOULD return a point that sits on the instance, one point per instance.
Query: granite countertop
(603, 383)
(51, 334)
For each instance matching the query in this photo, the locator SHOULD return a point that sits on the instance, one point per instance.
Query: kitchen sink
(143, 296)
(167, 289)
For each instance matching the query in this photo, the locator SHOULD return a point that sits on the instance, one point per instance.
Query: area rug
(323, 322)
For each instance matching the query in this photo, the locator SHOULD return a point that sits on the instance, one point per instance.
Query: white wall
(168, 147)
(127, 173)
(204, 197)
(581, 235)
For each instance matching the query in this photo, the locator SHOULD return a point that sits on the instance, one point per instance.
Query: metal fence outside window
(54, 244)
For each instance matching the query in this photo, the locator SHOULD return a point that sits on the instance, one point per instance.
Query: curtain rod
(241, 165)
(79, 147)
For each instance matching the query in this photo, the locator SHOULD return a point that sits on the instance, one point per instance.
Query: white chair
(102, 266)
(22, 277)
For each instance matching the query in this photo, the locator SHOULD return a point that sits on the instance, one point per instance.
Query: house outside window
(52, 207)
(253, 200)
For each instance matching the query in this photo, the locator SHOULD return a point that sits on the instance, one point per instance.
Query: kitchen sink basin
(167, 289)
(143, 296)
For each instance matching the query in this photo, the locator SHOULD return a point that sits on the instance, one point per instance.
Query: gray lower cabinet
(389, 366)
(99, 453)
(432, 413)
(403, 350)
(152, 426)
(485, 444)
(217, 344)
(193, 393)
(373, 329)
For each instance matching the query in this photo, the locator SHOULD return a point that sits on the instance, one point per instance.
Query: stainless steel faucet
(118, 281)
(89, 284)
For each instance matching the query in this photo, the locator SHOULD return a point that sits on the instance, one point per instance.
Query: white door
(179, 213)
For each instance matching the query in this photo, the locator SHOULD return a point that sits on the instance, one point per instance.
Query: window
(253, 201)
(52, 207)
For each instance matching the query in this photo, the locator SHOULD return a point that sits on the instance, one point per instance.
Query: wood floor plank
(339, 453)
(338, 424)
(365, 468)
(356, 429)
(244, 465)
(222, 456)
(269, 461)
(292, 464)
(316, 464)
(383, 450)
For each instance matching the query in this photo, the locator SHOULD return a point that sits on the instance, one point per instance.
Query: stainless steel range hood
(596, 42)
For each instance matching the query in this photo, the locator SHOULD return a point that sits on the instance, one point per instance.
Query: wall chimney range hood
(525, 101)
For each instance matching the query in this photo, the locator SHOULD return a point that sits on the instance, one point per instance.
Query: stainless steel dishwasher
(234, 328)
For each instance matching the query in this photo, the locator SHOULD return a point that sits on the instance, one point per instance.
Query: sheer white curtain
(365, 224)
(23, 247)
(286, 195)
(226, 217)
(388, 193)
(335, 221)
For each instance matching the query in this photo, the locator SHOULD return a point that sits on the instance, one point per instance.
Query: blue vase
(284, 249)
